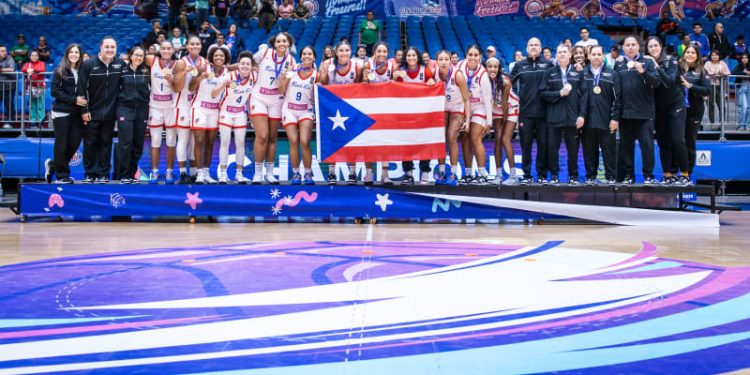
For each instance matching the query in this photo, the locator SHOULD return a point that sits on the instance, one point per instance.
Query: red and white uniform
(161, 106)
(335, 77)
(383, 73)
(266, 100)
(480, 91)
(421, 75)
(454, 101)
(234, 102)
(513, 108)
(298, 99)
(184, 102)
(205, 108)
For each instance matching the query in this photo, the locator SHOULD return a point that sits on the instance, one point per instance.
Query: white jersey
(162, 95)
(185, 97)
(234, 101)
(350, 75)
(453, 97)
(420, 76)
(270, 67)
(384, 74)
(299, 92)
(480, 90)
(203, 100)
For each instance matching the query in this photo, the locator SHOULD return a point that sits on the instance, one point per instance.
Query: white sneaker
(271, 179)
(199, 179)
(223, 177)
(241, 179)
(368, 179)
(511, 181)
(208, 179)
(257, 178)
(498, 180)
(424, 178)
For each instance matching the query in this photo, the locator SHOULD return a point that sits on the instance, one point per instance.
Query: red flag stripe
(387, 90)
(388, 153)
(413, 121)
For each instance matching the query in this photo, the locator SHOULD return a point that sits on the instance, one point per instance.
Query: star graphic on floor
(338, 121)
(288, 200)
(193, 200)
(275, 210)
(383, 201)
(275, 193)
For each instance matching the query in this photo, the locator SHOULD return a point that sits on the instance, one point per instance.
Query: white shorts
(158, 117)
(235, 121)
(477, 114)
(260, 107)
(205, 119)
(182, 117)
(295, 116)
(513, 109)
(454, 108)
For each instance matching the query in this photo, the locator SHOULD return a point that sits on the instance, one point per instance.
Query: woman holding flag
(274, 60)
(457, 110)
(342, 70)
(380, 69)
(298, 116)
(233, 116)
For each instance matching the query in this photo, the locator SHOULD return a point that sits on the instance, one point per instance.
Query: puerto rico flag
(380, 122)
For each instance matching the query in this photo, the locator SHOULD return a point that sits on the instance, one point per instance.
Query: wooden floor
(727, 246)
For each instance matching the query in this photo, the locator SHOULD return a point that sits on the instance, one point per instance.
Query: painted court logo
(325, 307)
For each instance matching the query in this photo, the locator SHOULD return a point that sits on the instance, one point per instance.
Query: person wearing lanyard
(184, 71)
(601, 124)
(233, 116)
(161, 110)
(527, 76)
(562, 90)
(380, 69)
(132, 113)
(457, 110)
(695, 81)
(634, 106)
(670, 114)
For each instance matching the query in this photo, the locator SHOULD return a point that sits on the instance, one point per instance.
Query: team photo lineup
(584, 97)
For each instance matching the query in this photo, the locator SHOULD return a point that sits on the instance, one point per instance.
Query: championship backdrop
(405, 8)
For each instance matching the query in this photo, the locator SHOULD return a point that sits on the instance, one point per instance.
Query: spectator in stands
(179, 42)
(361, 55)
(207, 35)
(86, 56)
(585, 40)
(66, 113)
(684, 45)
(184, 21)
(369, 32)
(101, 81)
(220, 43)
(743, 92)
(132, 114)
(327, 53)
(286, 10)
(220, 10)
(517, 56)
(720, 42)
(704, 45)
(175, 6)
(7, 85)
(301, 12)
(153, 35)
(202, 7)
(666, 26)
(717, 70)
(611, 58)
(739, 48)
(547, 54)
(568, 42)
(490, 52)
(20, 51)
(43, 49)
(234, 42)
(244, 10)
(454, 59)
(35, 88)
(267, 15)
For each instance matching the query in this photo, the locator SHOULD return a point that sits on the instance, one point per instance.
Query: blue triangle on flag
(339, 122)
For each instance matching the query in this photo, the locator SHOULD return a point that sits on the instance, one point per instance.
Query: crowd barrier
(19, 98)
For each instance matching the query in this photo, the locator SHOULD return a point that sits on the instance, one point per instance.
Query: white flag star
(338, 121)
(383, 201)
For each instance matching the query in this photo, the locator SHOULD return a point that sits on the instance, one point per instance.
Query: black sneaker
(667, 180)
(64, 181)
(542, 181)
(352, 179)
(185, 179)
(590, 182)
(650, 181)
(628, 181)
(88, 180)
(479, 180)
(332, 179)
(102, 180)
(126, 180)
(573, 181)
(408, 180)
(611, 182)
(683, 181)
(466, 180)
(554, 181)
(48, 170)
(525, 181)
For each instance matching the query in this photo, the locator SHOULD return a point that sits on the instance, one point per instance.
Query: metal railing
(25, 101)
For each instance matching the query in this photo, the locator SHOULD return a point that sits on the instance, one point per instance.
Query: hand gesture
(579, 122)
(613, 125)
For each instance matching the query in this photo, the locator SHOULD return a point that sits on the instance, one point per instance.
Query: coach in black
(562, 90)
(601, 120)
(634, 105)
(527, 76)
(132, 114)
(101, 80)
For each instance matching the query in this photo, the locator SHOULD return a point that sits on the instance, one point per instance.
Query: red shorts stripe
(232, 126)
(394, 153)
(408, 121)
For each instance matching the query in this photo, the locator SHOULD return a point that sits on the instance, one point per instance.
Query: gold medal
(289, 75)
(211, 75)
(568, 86)
(233, 85)
(371, 77)
(194, 72)
(167, 72)
(631, 64)
(597, 90)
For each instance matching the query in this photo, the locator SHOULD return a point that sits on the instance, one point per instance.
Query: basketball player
(233, 116)
(161, 110)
